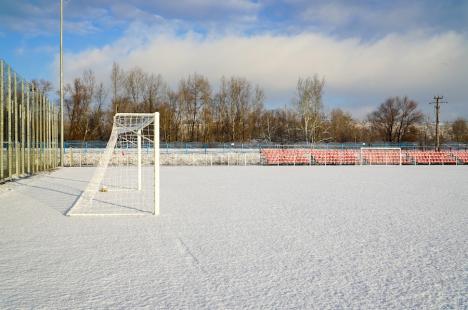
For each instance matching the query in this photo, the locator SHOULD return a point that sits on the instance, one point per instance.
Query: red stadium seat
(462, 156)
(335, 157)
(431, 157)
(286, 156)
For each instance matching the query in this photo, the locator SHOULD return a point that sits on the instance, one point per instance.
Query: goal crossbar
(123, 169)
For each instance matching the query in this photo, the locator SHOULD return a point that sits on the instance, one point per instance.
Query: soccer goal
(381, 156)
(126, 180)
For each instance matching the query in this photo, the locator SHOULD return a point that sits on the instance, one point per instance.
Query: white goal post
(381, 156)
(126, 180)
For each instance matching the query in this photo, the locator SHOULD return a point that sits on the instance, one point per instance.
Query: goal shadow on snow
(61, 203)
(136, 211)
(66, 200)
(67, 179)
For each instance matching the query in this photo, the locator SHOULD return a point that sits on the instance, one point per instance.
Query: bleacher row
(365, 157)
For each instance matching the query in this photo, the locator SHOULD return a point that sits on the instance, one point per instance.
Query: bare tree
(171, 116)
(77, 104)
(255, 114)
(459, 130)
(117, 78)
(89, 83)
(394, 118)
(154, 92)
(384, 119)
(221, 113)
(135, 87)
(200, 97)
(408, 116)
(309, 105)
(269, 126)
(100, 128)
(43, 86)
(342, 126)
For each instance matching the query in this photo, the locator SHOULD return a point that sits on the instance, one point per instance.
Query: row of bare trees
(234, 112)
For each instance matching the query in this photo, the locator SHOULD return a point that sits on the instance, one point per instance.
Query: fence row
(83, 157)
(28, 127)
(91, 157)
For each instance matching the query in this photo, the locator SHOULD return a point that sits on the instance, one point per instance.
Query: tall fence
(28, 127)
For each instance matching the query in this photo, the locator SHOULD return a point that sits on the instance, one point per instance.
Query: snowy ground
(244, 237)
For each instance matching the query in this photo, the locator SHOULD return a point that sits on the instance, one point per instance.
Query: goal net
(126, 180)
(381, 156)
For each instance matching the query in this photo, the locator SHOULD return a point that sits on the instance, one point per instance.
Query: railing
(89, 155)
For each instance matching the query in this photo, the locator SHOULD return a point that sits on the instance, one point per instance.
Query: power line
(437, 102)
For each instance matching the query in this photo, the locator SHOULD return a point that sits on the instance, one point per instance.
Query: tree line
(235, 112)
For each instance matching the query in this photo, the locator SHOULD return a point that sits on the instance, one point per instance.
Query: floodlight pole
(61, 84)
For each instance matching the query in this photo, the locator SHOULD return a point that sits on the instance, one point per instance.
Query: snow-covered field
(244, 237)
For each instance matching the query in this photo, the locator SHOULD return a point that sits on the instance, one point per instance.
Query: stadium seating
(286, 156)
(462, 156)
(335, 157)
(431, 157)
(369, 157)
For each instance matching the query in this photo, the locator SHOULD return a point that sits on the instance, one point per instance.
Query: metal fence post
(52, 135)
(31, 121)
(22, 127)
(40, 132)
(43, 133)
(34, 129)
(1, 120)
(51, 140)
(57, 159)
(10, 154)
(49, 153)
(54, 145)
(28, 131)
(15, 109)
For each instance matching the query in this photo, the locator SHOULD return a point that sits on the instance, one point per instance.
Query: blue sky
(366, 50)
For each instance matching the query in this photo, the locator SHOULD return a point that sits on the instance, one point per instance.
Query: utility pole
(437, 102)
(61, 84)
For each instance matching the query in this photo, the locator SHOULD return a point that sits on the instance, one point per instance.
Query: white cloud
(416, 64)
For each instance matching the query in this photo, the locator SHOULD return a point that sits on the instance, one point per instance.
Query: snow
(244, 237)
(114, 191)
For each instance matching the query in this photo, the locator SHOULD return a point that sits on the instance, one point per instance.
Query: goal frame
(380, 148)
(156, 168)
